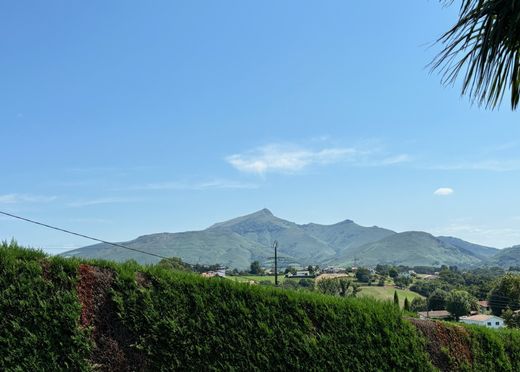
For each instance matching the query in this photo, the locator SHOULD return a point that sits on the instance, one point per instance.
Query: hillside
(239, 241)
(412, 248)
(67, 314)
(505, 258)
(479, 251)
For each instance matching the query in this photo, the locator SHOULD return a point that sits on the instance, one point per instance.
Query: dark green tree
(459, 303)
(396, 298)
(484, 47)
(363, 275)
(505, 294)
(418, 304)
(393, 273)
(406, 304)
(437, 300)
(255, 268)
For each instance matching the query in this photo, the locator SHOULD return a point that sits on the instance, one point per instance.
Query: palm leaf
(484, 46)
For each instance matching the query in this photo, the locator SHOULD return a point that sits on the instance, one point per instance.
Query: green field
(387, 293)
(256, 278)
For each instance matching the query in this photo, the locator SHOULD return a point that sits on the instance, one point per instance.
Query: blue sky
(124, 118)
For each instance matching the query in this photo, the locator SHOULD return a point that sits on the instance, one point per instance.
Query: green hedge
(39, 313)
(188, 322)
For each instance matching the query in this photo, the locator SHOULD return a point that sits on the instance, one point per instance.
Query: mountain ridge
(238, 241)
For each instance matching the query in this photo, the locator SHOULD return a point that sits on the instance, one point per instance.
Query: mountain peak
(264, 211)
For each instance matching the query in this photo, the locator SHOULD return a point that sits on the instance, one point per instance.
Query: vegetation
(79, 315)
(483, 45)
(459, 303)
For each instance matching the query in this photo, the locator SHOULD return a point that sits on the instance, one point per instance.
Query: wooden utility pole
(275, 246)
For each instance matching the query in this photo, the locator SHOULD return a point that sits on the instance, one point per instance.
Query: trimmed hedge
(66, 314)
(39, 313)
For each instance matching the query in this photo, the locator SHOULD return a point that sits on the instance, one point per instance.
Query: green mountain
(480, 251)
(239, 241)
(412, 248)
(506, 257)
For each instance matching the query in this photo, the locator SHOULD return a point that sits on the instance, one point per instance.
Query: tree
(396, 298)
(406, 304)
(402, 281)
(310, 269)
(419, 304)
(459, 303)
(174, 263)
(255, 268)
(483, 45)
(393, 273)
(505, 294)
(511, 318)
(437, 300)
(363, 275)
(338, 287)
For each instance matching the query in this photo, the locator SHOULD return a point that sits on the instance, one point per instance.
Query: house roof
(483, 303)
(434, 314)
(479, 317)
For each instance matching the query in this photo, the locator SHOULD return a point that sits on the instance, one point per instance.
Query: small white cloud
(443, 191)
(402, 158)
(25, 198)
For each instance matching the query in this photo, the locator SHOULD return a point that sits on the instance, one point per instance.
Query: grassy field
(387, 293)
(256, 278)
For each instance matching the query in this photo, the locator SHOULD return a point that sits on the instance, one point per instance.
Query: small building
(434, 314)
(221, 272)
(490, 321)
(300, 274)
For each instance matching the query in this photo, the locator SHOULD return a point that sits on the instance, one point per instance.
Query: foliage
(255, 268)
(483, 45)
(174, 263)
(406, 306)
(511, 318)
(186, 322)
(393, 273)
(39, 313)
(437, 300)
(337, 287)
(419, 304)
(363, 274)
(505, 294)
(402, 281)
(459, 303)
(396, 299)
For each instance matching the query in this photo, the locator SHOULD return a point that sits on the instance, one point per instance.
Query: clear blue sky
(123, 118)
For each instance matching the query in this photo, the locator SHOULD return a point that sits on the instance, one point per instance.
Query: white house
(489, 321)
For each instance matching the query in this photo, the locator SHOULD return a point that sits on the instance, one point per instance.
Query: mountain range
(238, 242)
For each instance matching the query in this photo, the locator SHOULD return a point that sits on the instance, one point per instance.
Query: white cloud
(402, 158)
(203, 185)
(484, 165)
(86, 203)
(25, 198)
(289, 158)
(443, 191)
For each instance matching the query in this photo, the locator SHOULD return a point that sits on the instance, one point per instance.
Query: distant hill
(506, 257)
(412, 248)
(480, 251)
(239, 241)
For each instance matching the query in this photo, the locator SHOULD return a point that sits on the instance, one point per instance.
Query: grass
(387, 293)
(256, 278)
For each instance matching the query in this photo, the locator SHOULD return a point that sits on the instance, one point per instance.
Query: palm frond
(484, 47)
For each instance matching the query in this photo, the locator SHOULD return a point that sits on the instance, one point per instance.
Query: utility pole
(275, 246)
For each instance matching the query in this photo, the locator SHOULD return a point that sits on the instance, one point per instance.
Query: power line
(80, 235)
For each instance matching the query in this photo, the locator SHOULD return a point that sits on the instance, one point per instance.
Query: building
(300, 274)
(221, 272)
(490, 321)
(434, 314)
